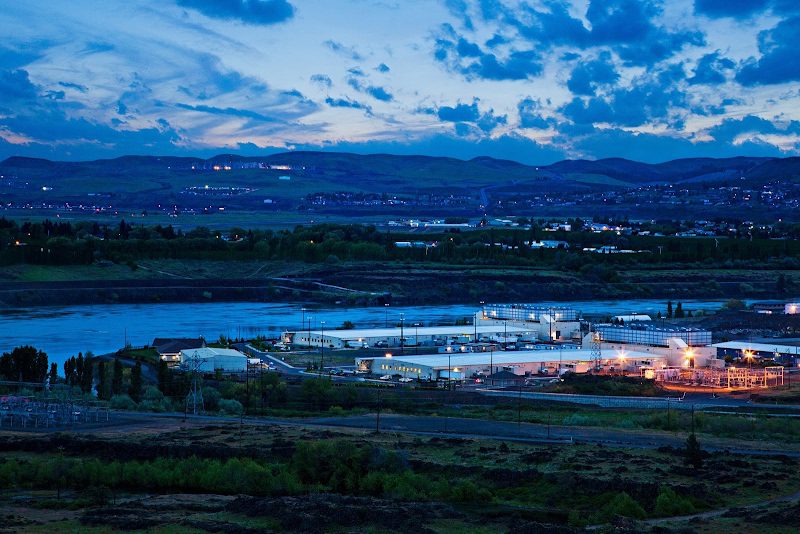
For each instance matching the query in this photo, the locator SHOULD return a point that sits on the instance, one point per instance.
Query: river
(63, 331)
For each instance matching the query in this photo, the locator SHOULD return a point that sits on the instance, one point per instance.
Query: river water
(63, 331)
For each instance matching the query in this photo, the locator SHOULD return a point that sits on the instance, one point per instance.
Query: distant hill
(481, 169)
(287, 181)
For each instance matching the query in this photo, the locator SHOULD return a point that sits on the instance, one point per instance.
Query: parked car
(405, 379)
(385, 377)
(381, 344)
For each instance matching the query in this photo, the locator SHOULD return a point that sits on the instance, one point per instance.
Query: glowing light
(388, 355)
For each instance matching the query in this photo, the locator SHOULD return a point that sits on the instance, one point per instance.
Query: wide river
(63, 331)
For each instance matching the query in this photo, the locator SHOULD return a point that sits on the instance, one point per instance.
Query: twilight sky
(533, 81)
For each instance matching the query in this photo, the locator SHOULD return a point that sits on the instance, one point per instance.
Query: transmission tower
(194, 400)
(595, 350)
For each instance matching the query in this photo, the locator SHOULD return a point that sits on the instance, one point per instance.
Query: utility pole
(402, 339)
(322, 348)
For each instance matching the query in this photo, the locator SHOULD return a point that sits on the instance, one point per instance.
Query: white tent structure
(209, 360)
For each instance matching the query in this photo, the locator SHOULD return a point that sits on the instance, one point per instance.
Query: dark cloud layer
(247, 11)
(779, 59)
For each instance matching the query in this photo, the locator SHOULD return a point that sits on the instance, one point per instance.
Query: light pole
(322, 348)
(416, 338)
(449, 372)
(308, 339)
(402, 339)
(491, 365)
(386, 315)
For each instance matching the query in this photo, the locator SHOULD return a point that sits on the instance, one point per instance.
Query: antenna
(194, 400)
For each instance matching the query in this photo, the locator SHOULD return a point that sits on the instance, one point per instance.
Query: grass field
(503, 486)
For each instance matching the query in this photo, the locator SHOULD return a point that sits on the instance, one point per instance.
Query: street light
(416, 338)
(308, 339)
(322, 348)
(402, 339)
(386, 315)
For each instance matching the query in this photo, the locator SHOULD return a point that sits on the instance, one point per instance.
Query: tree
(135, 391)
(116, 382)
(25, 364)
(87, 376)
(102, 385)
(669, 310)
(679, 311)
(694, 454)
(164, 378)
(53, 373)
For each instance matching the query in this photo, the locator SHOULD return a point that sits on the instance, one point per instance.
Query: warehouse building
(522, 363)
(210, 360)
(680, 346)
(411, 336)
(553, 323)
(788, 355)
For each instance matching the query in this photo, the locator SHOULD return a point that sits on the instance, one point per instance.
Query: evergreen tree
(163, 377)
(669, 310)
(87, 377)
(694, 454)
(679, 311)
(25, 364)
(53, 373)
(135, 390)
(102, 381)
(116, 382)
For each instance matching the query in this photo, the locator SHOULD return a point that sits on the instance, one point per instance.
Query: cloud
(322, 80)
(347, 103)
(711, 69)
(650, 98)
(627, 26)
(233, 112)
(78, 87)
(376, 92)
(729, 8)
(468, 116)
(471, 61)
(749, 127)
(778, 62)
(342, 50)
(257, 12)
(530, 114)
(588, 75)
(15, 85)
(383, 67)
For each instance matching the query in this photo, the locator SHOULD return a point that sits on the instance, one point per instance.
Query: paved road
(700, 401)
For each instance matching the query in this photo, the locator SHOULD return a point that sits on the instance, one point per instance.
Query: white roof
(210, 352)
(758, 347)
(514, 357)
(634, 317)
(410, 331)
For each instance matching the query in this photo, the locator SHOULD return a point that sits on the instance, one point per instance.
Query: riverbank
(367, 283)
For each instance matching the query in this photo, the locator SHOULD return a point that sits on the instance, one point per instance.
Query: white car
(385, 377)
(405, 379)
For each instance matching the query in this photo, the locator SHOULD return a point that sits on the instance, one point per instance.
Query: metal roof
(513, 357)
(758, 347)
(411, 330)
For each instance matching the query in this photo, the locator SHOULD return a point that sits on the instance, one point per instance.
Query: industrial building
(680, 346)
(782, 354)
(210, 360)
(411, 336)
(648, 333)
(534, 362)
(552, 323)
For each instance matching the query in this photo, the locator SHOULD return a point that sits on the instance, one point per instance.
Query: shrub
(122, 402)
(211, 398)
(622, 505)
(231, 407)
(669, 503)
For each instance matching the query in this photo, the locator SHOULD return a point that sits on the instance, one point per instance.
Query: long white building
(411, 336)
(534, 362)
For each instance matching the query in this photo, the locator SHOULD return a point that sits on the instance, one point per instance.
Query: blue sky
(534, 81)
